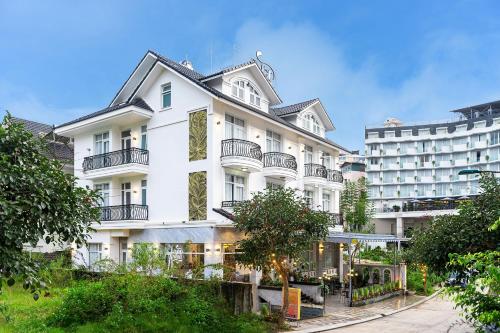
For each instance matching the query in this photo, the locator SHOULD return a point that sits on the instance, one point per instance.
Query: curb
(359, 321)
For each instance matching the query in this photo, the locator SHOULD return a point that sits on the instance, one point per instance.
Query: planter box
(377, 298)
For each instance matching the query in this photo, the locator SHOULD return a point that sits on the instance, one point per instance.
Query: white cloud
(24, 104)
(454, 70)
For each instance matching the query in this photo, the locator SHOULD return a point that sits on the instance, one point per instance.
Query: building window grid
(166, 95)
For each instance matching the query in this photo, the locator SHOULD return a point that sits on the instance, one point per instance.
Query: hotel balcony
(390, 152)
(460, 147)
(124, 213)
(375, 153)
(445, 149)
(336, 219)
(317, 174)
(444, 163)
(460, 162)
(241, 154)
(408, 165)
(125, 162)
(479, 144)
(280, 165)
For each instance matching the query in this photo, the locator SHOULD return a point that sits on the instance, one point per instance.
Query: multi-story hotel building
(413, 170)
(175, 149)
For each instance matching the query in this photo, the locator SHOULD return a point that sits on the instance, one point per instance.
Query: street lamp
(475, 171)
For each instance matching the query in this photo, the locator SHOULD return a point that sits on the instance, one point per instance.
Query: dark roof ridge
(293, 108)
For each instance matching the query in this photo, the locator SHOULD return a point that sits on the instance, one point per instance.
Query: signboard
(293, 303)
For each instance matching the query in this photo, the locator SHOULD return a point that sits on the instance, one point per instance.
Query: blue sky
(366, 60)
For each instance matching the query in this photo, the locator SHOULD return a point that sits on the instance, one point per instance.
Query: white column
(399, 226)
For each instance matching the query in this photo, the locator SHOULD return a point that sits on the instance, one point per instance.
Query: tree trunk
(284, 309)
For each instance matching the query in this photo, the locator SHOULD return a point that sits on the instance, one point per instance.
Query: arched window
(311, 123)
(387, 276)
(238, 89)
(376, 276)
(307, 121)
(254, 96)
(316, 127)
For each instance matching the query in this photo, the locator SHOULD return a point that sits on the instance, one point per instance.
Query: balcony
(408, 165)
(375, 153)
(444, 163)
(241, 154)
(334, 176)
(391, 152)
(280, 165)
(315, 174)
(460, 147)
(124, 213)
(460, 162)
(125, 162)
(479, 144)
(336, 219)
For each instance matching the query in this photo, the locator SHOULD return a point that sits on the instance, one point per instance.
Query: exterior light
(244, 169)
(207, 250)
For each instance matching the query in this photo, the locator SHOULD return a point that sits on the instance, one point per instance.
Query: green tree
(278, 226)
(466, 232)
(37, 201)
(356, 209)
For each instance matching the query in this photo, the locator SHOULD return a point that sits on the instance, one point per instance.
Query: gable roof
(294, 108)
(58, 147)
(229, 69)
(197, 79)
(139, 102)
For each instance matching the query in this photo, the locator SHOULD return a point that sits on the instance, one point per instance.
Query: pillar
(399, 227)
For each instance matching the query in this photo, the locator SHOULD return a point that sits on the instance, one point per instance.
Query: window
(309, 196)
(327, 161)
(406, 133)
(373, 147)
(316, 126)
(441, 189)
(424, 146)
(166, 95)
(390, 191)
(495, 137)
(390, 134)
(254, 96)
(273, 141)
(310, 123)
(424, 159)
(308, 154)
(126, 194)
(374, 161)
(406, 191)
(101, 141)
(273, 186)
(407, 159)
(95, 253)
(144, 191)
(460, 141)
(235, 188)
(326, 202)
(234, 128)
(238, 89)
(103, 190)
(144, 137)
(442, 174)
(390, 146)
(186, 256)
(478, 156)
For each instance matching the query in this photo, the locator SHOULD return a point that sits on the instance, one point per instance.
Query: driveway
(436, 315)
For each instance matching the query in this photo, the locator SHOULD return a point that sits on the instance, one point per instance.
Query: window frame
(234, 185)
(165, 93)
(271, 141)
(102, 145)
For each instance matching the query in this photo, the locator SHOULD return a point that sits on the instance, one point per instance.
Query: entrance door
(126, 145)
(123, 250)
(126, 200)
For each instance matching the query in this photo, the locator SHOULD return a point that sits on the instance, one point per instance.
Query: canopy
(348, 237)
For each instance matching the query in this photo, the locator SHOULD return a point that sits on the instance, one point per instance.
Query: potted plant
(396, 208)
(399, 193)
(487, 158)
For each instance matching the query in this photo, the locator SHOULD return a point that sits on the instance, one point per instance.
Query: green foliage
(464, 233)
(374, 290)
(355, 206)
(37, 201)
(197, 135)
(198, 195)
(415, 281)
(278, 226)
(480, 296)
(147, 259)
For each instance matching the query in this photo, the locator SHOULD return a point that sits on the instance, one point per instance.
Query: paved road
(436, 315)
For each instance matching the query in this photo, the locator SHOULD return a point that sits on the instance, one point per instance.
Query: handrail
(238, 147)
(114, 158)
(335, 176)
(315, 170)
(280, 160)
(124, 212)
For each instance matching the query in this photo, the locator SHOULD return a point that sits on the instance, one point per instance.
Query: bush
(415, 281)
(136, 303)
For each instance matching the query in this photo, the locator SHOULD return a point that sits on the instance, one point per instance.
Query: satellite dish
(266, 68)
(258, 54)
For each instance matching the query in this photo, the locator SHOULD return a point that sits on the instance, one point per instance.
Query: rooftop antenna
(265, 68)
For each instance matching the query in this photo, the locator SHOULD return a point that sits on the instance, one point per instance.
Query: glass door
(123, 250)
(234, 128)
(126, 200)
(126, 145)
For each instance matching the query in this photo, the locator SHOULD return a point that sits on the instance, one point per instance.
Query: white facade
(145, 168)
(413, 170)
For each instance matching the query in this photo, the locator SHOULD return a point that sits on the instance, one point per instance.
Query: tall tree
(37, 201)
(466, 232)
(278, 226)
(357, 210)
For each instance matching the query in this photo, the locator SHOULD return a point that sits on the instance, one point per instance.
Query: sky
(365, 60)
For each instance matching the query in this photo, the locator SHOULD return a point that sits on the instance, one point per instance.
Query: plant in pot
(396, 208)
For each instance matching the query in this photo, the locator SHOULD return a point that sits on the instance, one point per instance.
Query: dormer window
(310, 123)
(254, 96)
(238, 89)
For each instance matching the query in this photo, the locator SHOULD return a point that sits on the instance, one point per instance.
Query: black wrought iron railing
(334, 176)
(114, 158)
(336, 219)
(280, 160)
(315, 170)
(124, 212)
(243, 148)
(230, 203)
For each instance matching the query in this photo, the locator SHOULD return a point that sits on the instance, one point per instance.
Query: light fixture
(244, 169)
(134, 138)
(218, 123)
(207, 250)
(258, 136)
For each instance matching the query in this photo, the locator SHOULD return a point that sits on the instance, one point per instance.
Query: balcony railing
(230, 203)
(243, 148)
(334, 176)
(114, 158)
(124, 212)
(280, 160)
(336, 219)
(315, 170)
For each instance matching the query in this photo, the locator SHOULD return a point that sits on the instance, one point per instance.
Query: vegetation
(356, 208)
(37, 201)
(374, 291)
(415, 281)
(464, 233)
(278, 227)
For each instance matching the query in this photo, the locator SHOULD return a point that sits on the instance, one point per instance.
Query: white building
(175, 149)
(413, 170)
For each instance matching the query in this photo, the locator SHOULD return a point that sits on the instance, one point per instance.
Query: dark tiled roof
(230, 68)
(179, 68)
(139, 102)
(58, 146)
(294, 108)
(34, 127)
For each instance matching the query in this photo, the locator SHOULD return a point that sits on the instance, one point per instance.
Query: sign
(293, 303)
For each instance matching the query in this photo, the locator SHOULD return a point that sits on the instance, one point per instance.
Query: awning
(348, 237)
